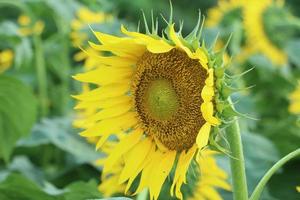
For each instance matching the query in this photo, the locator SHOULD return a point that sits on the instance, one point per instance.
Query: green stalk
(143, 195)
(237, 163)
(41, 74)
(63, 31)
(262, 183)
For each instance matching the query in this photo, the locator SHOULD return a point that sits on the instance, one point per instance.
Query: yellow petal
(210, 79)
(134, 158)
(207, 93)
(153, 45)
(112, 125)
(203, 135)
(217, 182)
(178, 43)
(110, 186)
(104, 92)
(123, 49)
(201, 55)
(127, 46)
(102, 140)
(109, 39)
(211, 193)
(105, 75)
(106, 103)
(115, 61)
(146, 176)
(160, 171)
(181, 170)
(123, 146)
(111, 112)
(137, 170)
(207, 110)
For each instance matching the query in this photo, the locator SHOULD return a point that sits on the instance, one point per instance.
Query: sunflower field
(149, 100)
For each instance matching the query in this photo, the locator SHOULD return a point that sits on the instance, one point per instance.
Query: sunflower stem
(41, 74)
(262, 183)
(143, 195)
(237, 163)
(65, 61)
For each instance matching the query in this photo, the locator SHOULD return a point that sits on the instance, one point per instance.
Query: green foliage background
(41, 154)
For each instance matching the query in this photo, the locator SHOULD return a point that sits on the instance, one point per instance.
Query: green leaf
(260, 155)
(293, 49)
(59, 131)
(9, 32)
(17, 187)
(114, 198)
(23, 165)
(23, 53)
(17, 113)
(82, 190)
(283, 184)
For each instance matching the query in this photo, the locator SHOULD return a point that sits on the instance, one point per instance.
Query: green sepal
(229, 112)
(226, 90)
(219, 72)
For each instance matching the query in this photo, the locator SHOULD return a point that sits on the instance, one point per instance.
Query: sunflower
(6, 59)
(162, 92)
(226, 9)
(295, 100)
(255, 23)
(85, 17)
(211, 177)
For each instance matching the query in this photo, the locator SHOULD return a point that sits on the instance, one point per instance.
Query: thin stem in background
(262, 183)
(41, 75)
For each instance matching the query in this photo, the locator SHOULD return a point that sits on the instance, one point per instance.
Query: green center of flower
(162, 99)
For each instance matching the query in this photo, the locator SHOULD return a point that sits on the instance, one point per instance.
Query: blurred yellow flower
(298, 188)
(295, 100)
(224, 8)
(28, 27)
(211, 177)
(6, 59)
(257, 38)
(84, 18)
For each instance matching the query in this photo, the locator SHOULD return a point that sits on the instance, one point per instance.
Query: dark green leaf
(17, 187)
(82, 190)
